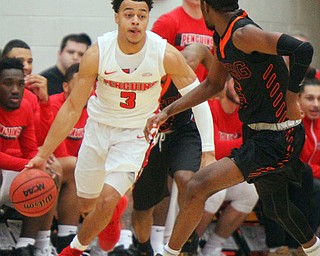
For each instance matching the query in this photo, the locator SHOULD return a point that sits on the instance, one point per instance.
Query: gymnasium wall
(43, 23)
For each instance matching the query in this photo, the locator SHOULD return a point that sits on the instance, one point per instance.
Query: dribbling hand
(153, 124)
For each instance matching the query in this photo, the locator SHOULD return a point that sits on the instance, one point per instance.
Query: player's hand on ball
(37, 162)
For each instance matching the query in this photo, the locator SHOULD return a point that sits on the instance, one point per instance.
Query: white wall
(43, 23)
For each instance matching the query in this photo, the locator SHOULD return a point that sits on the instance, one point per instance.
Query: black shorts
(180, 150)
(267, 152)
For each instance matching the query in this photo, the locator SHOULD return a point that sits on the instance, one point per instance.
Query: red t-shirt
(17, 127)
(227, 129)
(74, 138)
(311, 150)
(180, 30)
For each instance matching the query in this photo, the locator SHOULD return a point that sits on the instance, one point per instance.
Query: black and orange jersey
(261, 80)
(170, 94)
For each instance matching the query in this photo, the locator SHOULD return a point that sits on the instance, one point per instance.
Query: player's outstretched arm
(71, 110)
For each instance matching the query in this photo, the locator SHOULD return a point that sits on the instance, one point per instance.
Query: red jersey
(17, 127)
(180, 30)
(311, 150)
(74, 139)
(227, 129)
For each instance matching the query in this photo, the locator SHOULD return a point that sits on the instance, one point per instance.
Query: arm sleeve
(203, 117)
(300, 56)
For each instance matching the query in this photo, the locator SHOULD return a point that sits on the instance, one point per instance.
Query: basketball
(33, 192)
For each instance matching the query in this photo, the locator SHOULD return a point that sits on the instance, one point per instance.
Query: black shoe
(117, 251)
(24, 251)
(63, 242)
(191, 246)
(131, 251)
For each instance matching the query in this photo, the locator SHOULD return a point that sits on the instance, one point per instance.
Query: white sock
(167, 251)
(314, 250)
(156, 239)
(77, 245)
(125, 238)
(43, 239)
(215, 243)
(66, 230)
(24, 242)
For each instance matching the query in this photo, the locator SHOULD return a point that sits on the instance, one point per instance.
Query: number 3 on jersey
(130, 99)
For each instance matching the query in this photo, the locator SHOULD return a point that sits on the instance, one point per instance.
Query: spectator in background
(72, 48)
(309, 100)
(17, 126)
(36, 86)
(185, 25)
(74, 138)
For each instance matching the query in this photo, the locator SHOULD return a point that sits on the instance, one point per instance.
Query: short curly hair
(223, 5)
(10, 63)
(116, 4)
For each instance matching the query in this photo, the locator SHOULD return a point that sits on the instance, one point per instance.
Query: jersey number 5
(130, 99)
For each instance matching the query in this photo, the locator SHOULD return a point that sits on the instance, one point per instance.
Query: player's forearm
(193, 95)
(65, 120)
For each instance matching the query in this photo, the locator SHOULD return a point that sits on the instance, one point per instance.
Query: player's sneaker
(63, 241)
(108, 237)
(24, 251)
(48, 251)
(68, 251)
(281, 251)
(191, 246)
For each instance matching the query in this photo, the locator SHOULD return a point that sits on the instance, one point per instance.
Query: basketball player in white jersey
(128, 64)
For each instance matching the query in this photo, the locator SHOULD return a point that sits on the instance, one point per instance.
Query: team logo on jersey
(185, 39)
(132, 86)
(10, 132)
(76, 134)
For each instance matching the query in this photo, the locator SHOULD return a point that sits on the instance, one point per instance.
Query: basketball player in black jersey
(272, 130)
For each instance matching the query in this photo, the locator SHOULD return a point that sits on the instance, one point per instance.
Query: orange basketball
(33, 192)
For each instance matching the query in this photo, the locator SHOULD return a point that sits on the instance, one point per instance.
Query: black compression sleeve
(300, 56)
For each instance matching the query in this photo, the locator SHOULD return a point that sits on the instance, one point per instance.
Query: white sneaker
(48, 251)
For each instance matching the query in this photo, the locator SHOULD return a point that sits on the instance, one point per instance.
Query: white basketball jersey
(127, 100)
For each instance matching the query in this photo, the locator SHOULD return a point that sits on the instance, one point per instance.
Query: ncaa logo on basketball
(34, 189)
